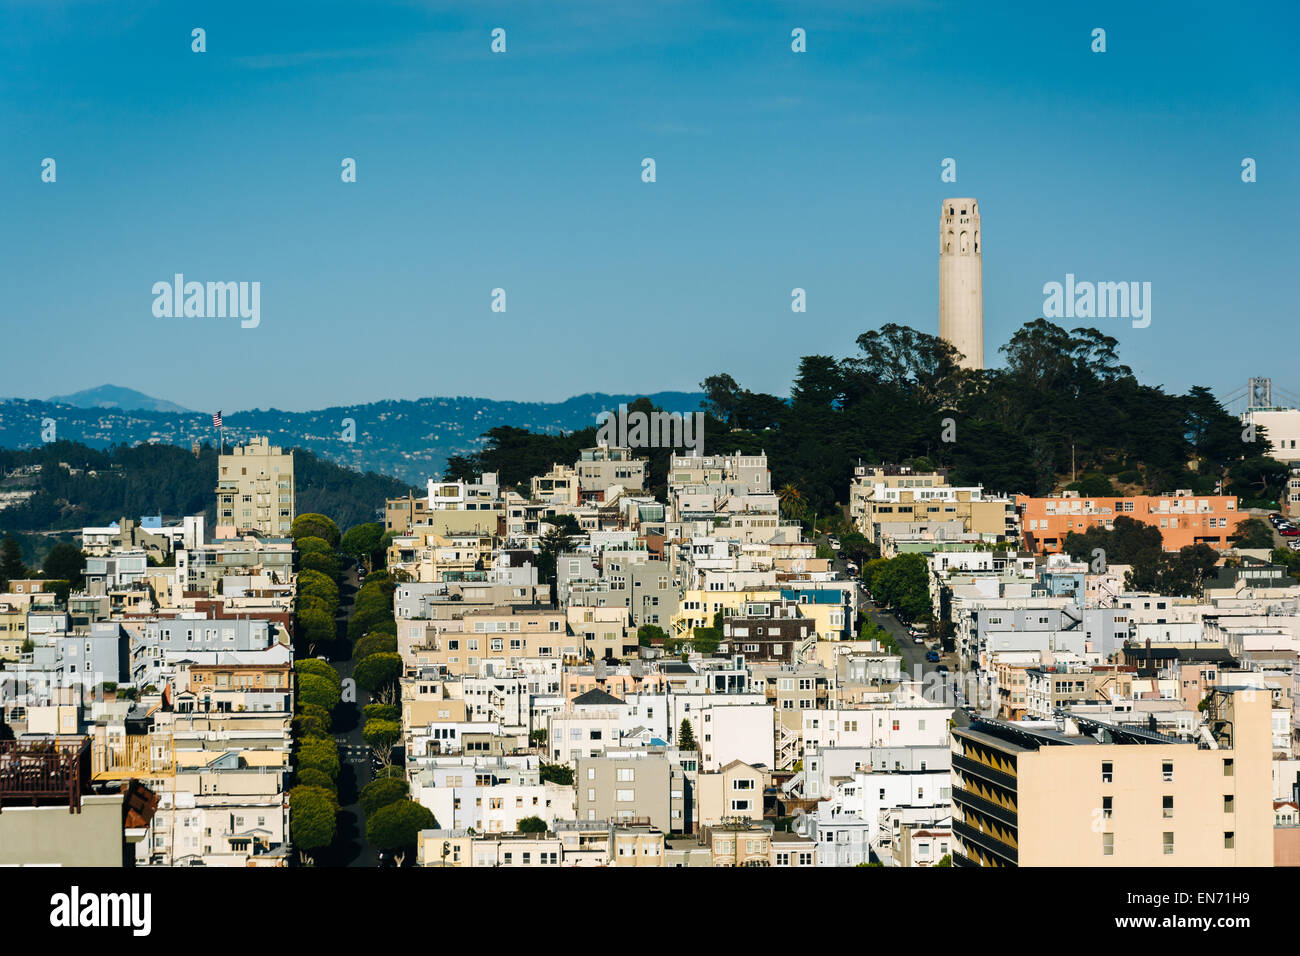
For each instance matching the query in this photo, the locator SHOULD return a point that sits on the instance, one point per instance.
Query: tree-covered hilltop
(77, 486)
(903, 398)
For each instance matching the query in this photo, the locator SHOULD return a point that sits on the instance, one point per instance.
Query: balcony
(44, 771)
(986, 842)
(988, 808)
(984, 771)
(135, 755)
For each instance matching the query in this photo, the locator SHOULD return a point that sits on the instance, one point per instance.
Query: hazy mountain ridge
(410, 440)
(117, 396)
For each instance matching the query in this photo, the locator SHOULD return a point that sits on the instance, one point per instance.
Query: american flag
(216, 420)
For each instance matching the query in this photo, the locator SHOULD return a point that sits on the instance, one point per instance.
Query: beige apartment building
(13, 631)
(255, 490)
(633, 788)
(559, 486)
(895, 502)
(572, 843)
(741, 844)
(505, 635)
(428, 556)
(603, 467)
(733, 792)
(1097, 794)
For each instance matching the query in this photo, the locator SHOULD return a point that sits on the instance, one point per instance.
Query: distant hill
(115, 396)
(75, 486)
(410, 440)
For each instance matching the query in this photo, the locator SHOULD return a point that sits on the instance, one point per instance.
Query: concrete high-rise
(961, 280)
(255, 490)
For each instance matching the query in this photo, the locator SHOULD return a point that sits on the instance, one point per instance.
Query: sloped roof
(596, 696)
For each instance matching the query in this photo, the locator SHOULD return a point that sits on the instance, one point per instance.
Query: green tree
(532, 825)
(377, 670)
(556, 773)
(1093, 485)
(311, 544)
(316, 627)
(315, 525)
(318, 691)
(686, 736)
(304, 726)
(1252, 533)
(1288, 559)
(313, 817)
(871, 631)
(319, 753)
(945, 860)
(379, 793)
(375, 642)
(311, 777)
(11, 561)
(396, 827)
(381, 712)
(315, 710)
(648, 635)
(903, 583)
(856, 548)
(382, 734)
(554, 543)
(363, 541)
(65, 562)
(326, 564)
(321, 585)
(310, 665)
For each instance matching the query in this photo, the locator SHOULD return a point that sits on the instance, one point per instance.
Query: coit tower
(961, 282)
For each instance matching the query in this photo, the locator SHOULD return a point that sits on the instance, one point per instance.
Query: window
(1167, 772)
(1108, 844)
(1107, 772)
(742, 785)
(1167, 807)
(1229, 803)
(1227, 766)
(1168, 843)
(1229, 840)
(626, 775)
(1107, 806)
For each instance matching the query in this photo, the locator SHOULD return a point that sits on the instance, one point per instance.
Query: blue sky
(522, 171)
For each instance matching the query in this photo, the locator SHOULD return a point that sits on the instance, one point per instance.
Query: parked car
(942, 669)
(1290, 532)
(834, 543)
(932, 657)
(917, 639)
(1293, 545)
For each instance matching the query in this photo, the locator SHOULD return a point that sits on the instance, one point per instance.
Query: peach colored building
(1182, 517)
